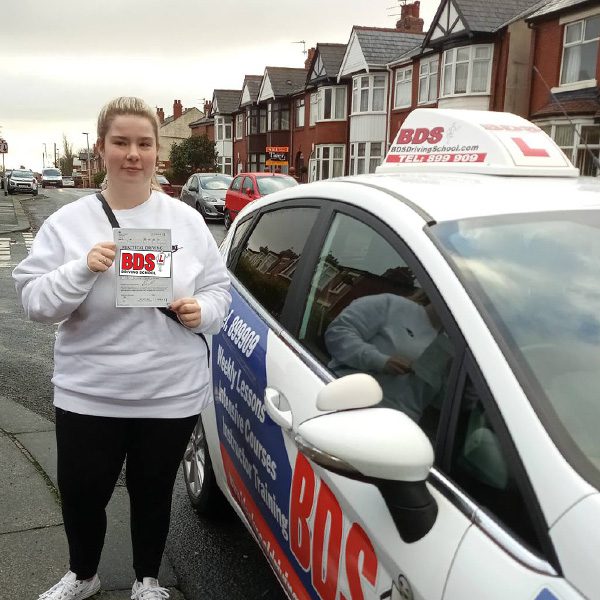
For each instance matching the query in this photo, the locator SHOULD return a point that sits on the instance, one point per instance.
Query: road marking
(6, 245)
(4, 250)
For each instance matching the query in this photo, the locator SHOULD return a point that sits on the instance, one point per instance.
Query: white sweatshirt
(123, 362)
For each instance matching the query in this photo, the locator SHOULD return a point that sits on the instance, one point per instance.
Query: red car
(166, 186)
(246, 187)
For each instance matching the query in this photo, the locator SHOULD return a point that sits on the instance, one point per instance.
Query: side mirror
(383, 447)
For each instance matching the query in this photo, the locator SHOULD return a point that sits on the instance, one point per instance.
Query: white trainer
(71, 588)
(149, 589)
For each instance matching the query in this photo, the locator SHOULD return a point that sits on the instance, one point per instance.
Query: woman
(129, 383)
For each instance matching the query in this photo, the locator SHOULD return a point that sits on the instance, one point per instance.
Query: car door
(185, 192)
(508, 542)
(233, 195)
(328, 536)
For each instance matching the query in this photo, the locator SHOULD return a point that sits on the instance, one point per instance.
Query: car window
(237, 183)
(248, 185)
(238, 236)
(480, 466)
(162, 179)
(366, 312)
(215, 182)
(51, 173)
(269, 258)
(268, 185)
(22, 174)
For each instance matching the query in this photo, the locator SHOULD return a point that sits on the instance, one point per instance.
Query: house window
(313, 109)
(580, 142)
(262, 120)
(251, 121)
(403, 89)
(223, 128)
(330, 161)
(278, 116)
(428, 80)
(365, 157)
(368, 93)
(580, 51)
(239, 126)
(225, 165)
(256, 162)
(300, 108)
(467, 70)
(331, 103)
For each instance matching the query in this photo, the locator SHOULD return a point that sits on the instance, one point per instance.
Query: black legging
(91, 451)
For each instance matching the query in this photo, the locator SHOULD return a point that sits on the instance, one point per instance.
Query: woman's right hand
(100, 258)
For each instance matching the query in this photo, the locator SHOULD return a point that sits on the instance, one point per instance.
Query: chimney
(177, 109)
(309, 57)
(409, 18)
(207, 107)
(160, 113)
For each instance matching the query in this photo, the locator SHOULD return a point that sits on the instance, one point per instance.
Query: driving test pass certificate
(143, 267)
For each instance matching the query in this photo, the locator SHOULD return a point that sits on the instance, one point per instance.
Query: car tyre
(200, 210)
(227, 219)
(205, 496)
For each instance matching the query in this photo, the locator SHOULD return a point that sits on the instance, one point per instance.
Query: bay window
(580, 50)
(365, 157)
(223, 128)
(368, 93)
(467, 70)
(580, 141)
(428, 80)
(331, 103)
(403, 88)
(330, 161)
(239, 126)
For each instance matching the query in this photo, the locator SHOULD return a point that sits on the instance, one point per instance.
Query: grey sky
(61, 61)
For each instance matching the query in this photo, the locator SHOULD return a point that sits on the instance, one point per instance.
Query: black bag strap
(165, 311)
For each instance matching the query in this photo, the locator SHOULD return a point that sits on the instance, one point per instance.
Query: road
(197, 548)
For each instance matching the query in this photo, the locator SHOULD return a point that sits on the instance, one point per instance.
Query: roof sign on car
(475, 141)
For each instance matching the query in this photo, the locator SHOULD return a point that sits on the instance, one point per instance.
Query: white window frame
(331, 160)
(450, 60)
(429, 69)
(359, 89)
(576, 144)
(239, 126)
(403, 79)
(368, 156)
(578, 43)
(223, 129)
(300, 105)
(313, 109)
(335, 91)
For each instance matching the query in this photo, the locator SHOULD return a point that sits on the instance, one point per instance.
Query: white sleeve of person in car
(373, 329)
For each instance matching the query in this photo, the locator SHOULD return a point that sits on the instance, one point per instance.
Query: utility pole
(55, 156)
(44, 156)
(89, 166)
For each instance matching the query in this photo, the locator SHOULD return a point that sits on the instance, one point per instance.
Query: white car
(406, 386)
(51, 178)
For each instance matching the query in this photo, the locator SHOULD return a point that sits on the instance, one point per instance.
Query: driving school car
(406, 386)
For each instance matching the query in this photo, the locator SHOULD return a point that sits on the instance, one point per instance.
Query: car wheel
(203, 491)
(200, 209)
(227, 219)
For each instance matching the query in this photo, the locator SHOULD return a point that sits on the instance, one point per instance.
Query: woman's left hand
(188, 311)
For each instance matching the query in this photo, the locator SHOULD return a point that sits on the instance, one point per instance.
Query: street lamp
(44, 156)
(89, 166)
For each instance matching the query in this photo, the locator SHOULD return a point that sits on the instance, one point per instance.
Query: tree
(192, 154)
(66, 160)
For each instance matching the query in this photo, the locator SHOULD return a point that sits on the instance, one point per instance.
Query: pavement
(33, 546)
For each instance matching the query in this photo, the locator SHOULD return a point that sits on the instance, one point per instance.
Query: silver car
(22, 181)
(206, 193)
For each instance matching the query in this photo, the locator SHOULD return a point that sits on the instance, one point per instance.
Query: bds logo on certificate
(150, 263)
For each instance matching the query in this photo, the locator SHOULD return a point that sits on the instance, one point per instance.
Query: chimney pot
(160, 113)
(410, 22)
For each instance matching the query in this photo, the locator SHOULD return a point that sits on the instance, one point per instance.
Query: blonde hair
(128, 105)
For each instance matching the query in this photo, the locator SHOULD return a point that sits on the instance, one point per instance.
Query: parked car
(68, 181)
(406, 385)
(250, 186)
(166, 185)
(51, 178)
(206, 193)
(22, 181)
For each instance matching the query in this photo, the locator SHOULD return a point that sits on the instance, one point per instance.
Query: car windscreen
(268, 185)
(51, 173)
(215, 182)
(27, 174)
(536, 280)
(162, 180)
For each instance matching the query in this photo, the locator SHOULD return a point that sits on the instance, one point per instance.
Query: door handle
(275, 404)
